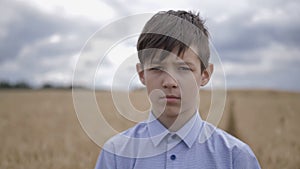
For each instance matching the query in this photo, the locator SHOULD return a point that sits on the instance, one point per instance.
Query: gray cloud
(26, 47)
(257, 44)
(29, 25)
(119, 7)
(239, 35)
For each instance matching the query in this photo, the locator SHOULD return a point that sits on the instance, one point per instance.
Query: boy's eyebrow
(151, 64)
(178, 63)
(185, 63)
(155, 62)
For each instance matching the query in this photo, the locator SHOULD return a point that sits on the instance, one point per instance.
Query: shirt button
(173, 157)
(174, 136)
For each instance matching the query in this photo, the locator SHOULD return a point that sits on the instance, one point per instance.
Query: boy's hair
(174, 30)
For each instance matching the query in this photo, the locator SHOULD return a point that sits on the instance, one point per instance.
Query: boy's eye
(184, 68)
(158, 68)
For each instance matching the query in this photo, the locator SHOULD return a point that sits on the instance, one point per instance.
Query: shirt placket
(172, 156)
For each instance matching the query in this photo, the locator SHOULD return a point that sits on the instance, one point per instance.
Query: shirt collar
(188, 133)
(156, 130)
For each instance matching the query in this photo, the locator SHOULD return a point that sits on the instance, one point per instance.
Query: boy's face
(173, 83)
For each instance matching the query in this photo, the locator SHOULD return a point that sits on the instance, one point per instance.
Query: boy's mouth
(172, 98)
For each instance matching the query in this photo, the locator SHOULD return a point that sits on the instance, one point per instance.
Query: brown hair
(169, 30)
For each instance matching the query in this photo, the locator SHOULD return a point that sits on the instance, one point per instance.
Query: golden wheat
(39, 129)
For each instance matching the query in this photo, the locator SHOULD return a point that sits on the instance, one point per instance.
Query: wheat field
(40, 129)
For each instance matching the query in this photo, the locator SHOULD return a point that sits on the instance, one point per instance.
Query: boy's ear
(206, 74)
(140, 71)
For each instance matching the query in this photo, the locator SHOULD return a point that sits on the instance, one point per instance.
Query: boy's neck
(175, 123)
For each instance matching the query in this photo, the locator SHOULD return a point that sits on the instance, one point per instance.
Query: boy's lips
(171, 98)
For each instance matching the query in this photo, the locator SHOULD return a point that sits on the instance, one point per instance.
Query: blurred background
(40, 43)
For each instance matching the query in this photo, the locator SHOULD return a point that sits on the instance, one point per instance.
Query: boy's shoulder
(137, 131)
(131, 142)
(218, 138)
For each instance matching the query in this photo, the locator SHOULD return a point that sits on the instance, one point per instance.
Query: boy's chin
(169, 112)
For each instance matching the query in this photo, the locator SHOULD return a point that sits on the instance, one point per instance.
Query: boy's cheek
(189, 92)
(157, 103)
(155, 95)
(188, 85)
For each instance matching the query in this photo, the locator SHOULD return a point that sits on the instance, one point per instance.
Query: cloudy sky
(41, 41)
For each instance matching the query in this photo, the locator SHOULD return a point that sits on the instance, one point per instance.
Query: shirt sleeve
(245, 159)
(106, 160)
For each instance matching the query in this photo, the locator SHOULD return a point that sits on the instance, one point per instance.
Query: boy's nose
(169, 81)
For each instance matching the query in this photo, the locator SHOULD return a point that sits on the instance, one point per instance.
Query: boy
(173, 50)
